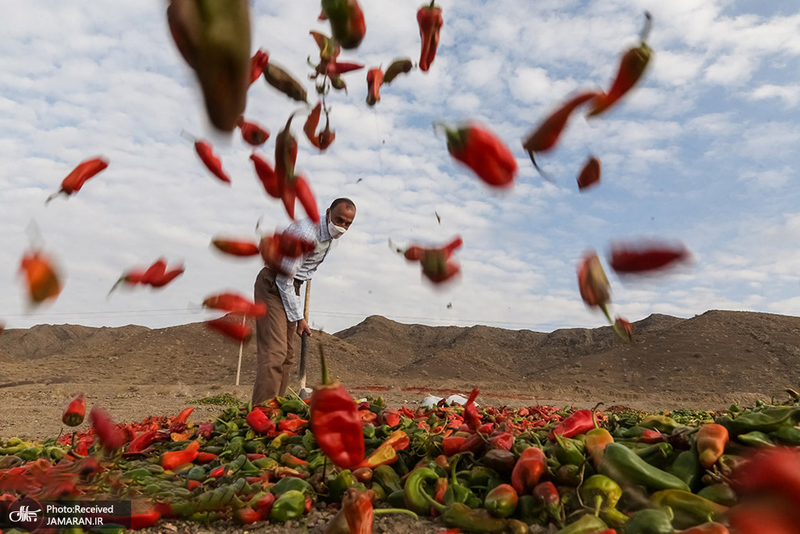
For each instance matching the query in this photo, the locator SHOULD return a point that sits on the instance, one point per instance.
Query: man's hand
(302, 327)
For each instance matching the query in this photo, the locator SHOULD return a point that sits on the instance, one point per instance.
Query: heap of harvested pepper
(477, 469)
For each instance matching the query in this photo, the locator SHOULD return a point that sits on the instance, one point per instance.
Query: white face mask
(335, 231)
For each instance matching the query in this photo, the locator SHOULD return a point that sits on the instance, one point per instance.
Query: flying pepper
(480, 150)
(285, 83)
(632, 66)
(79, 175)
(252, 133)
(210, 160)
(75, 411)
(335, 421)
(645, 256)
(429, 19)
(41, 277)
(397, 67)
(374, 82)
(590, 173)
(257, 64)
(234, 329)
(111, 438)
(213, 36)
(235, 303)
(347, 22)
(235, 247)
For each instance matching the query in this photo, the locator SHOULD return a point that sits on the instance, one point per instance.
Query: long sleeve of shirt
(303, 267)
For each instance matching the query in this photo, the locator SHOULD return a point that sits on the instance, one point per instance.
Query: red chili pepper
(259, 422)
(707, 528)
(235, 303)
(41, 277)
(252, 133)
(167, 277)
(267, 176)
(218, 472)
(347, 21)
(471, 416)
(651, 437)
(155, 271)
(593, 283)
(306, 198)
(503, 441)
(357, 509)
(390, 418)
(474, 444)
(547, 494)
(257, 64)
(437, 267)
(211, 161)
(246, 516)
(172, 459)
(528, 470)
(645, 256)
(631, 68)
(231, 328)
(374, 82)
(310, 127)
(145, 519)
(579, 422)
(292, 246)
(546, 135)
(111, 438)
(590, 174)
(429, 19)
(264, 504)
(326, 136)
(289, 197)
(336, 68)
(205, 458)
(143, 441)
(285, 154)
(79, 175)
(335, 421)
(480, 150)
(235, 247)
(183, 417)
(192, 485)
(623, 328)
(271, 253)
(293, 425)
(75, 412)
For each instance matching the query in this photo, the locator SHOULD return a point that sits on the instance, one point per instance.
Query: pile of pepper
(476, 469)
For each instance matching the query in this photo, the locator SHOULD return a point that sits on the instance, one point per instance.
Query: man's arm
(285, 283)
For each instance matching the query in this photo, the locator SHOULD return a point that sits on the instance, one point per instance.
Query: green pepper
(197, 473)
(719, 493)
(213, 449)
(587, 524)
(767, 420)
(369, 431)
(656, 454)
(624, 467)
(530, 511)
(289, 505)
(340, 484)
(600, 489)
(387, 477)
(569, 475)
(461, 516)
(662, 423)
(788, 435)
(483, 477)
(687, 508)
(380, 493)
(30, 453)
(265, 463)
(397, 499)
(347, 21)
(415, 491)
(236, 446)
(728, 463)
(628, 433)
(687, 468)
(294, 406)
(756, 439)
(649, 522)
(569, 451)
(292, 484)
(309, 442)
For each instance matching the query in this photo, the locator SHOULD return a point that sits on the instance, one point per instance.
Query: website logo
(25, 514)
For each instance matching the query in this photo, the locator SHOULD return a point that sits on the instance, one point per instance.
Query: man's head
(340, 216)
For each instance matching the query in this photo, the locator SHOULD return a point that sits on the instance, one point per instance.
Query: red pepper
(306, 198)
(429, 19)
(474, 444)
(593, 283)
(79, 175)
(41, 277)
(645, 256)
(293, 425)
(651, 437)
(145, 519)
(252, 133)
(711, 440)
(285, 155)
(374, 82)
(336, 68)
(172, 459)
(267, 176)
(528, 470)
(708, 528)
(335, 421)
(235, 303)
(579, 422)
(211, 161)
(259, 422)
(547, 494)
(623, 328)
(192, 485)
(763, 519)
(167, 277)
(235, 247)
(347, 21)
(264, 504)
(292, 246)
(155, 271)
(546, 135)
(480, 150)
(437, 267)
(111, 438)
(142, 441)
(326, 136)
(590, 174)
(310, 127)
(218, 472)
(75, 411)
(183, 417)
(390, 418)
(246, 516)
(452, 445)
(232, 328)
(257, 64)
(503, 441)
(205, 458)
(385, 454)
(631, 68)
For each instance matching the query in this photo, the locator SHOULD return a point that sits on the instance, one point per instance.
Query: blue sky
(704, 151)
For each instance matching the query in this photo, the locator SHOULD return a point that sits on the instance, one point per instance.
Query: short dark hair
(342, 200)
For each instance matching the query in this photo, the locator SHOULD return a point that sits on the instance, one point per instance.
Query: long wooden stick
(303, 341)
(241, 346)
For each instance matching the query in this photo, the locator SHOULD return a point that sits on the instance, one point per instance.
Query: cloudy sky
(705, 152)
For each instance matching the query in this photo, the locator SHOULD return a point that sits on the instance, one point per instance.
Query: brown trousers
(275, 341)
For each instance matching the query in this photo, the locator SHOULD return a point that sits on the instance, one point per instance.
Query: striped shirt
(302, 268)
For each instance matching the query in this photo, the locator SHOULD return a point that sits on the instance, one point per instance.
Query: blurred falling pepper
(252, 133)
(41, 277)
(590, 174)
(285, 154)
(430, 22)
(213, 36)
(357, 509)
(645, 256)
(257, 64)
(285, 83)
(397, 67)
(79, 175)
(335, 421)
(347, 22)
(75, 412)
(110, 437)
(235, 247)
(484, 153)
(306, 198)
(234, 303)
(592, 282)
(546, 135)
(631, 68)
(232, 328)
(374, 82)
(212, 162)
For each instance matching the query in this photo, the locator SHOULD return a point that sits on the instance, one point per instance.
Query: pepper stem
(326, 378)
(648, 25)
(395, 511)
(439, 506)
(594, 414)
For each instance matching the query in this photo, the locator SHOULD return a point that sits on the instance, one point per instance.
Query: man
(276, 330)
